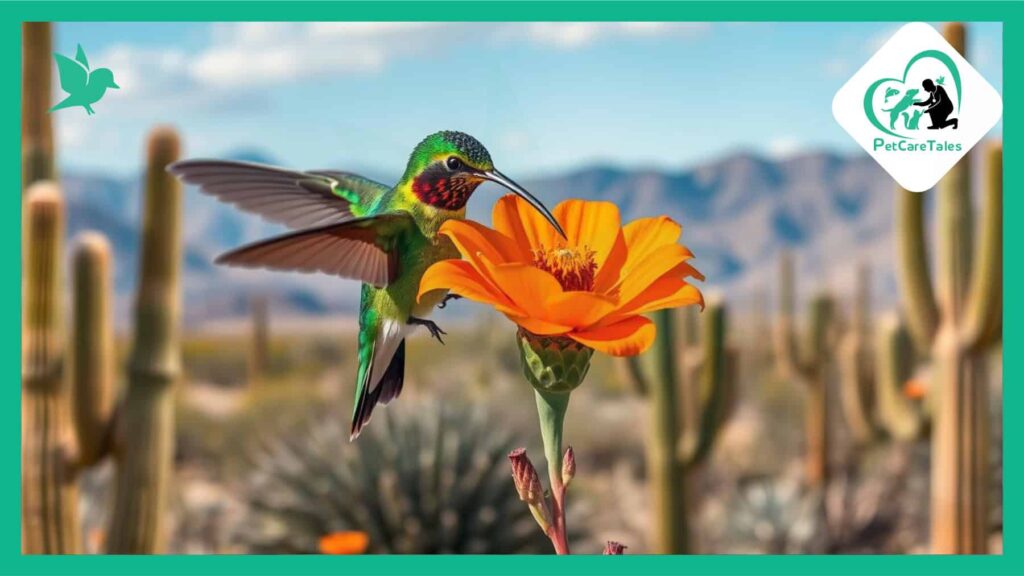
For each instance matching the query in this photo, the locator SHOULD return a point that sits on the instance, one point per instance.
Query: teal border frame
(12, 14)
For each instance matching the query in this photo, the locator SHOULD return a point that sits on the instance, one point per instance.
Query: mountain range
(738, 212)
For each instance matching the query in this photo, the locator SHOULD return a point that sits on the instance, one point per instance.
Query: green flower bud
(553, 363)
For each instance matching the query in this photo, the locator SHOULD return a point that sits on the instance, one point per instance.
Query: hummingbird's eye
(453, 163)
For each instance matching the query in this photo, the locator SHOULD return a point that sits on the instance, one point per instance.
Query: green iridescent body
(418, 247)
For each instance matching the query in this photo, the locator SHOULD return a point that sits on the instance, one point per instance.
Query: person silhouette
(939, 107)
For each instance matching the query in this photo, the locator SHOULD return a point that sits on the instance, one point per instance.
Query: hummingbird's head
(446, 167)
(103, 77)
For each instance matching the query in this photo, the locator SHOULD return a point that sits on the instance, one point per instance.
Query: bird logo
(84, 87)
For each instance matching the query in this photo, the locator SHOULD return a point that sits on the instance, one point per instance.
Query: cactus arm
(715, 379)
(666, 468)
(817, 428)
(49, 515)
(913, 270)
(818, 335)
(92, 363)
(853, 379)
(854, 358)
(893, 365)
(788, 362)
(36, 93)
(983, 322)
(144, 462)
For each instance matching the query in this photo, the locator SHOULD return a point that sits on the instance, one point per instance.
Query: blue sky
(543, 97)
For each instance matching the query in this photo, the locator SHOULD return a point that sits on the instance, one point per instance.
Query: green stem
(551, 408)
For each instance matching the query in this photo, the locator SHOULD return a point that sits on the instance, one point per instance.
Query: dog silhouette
(899, 107)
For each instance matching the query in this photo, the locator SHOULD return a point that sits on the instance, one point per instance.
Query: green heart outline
(938, 55)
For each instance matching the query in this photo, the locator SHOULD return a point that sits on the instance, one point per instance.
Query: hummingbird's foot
(448, 298)
(435, 330)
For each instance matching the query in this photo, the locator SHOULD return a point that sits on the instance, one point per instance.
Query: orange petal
(639, 276)
(610, 271)
(527, 287)
(578, 309)
(462, 278)
(646, 235)
(516, 219)
(666, 292)
(665, 287)
(538, 326)
(628, 337)
(472, 239)
(589, 223)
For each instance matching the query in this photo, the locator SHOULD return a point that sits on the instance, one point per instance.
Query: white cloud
(260, 53)
(784, 147)
(266, 53)
(579, 34)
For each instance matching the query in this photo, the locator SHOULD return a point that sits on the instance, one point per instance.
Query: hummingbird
(84, 87)
(353, 227)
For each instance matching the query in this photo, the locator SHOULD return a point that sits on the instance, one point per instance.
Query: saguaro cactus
(955, 324)
(855, 358)
(147, 427)
(36, 93)
(873, 370)
(49, 510)
(691, 387)
(807, 361)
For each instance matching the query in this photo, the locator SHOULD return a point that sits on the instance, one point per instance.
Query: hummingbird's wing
(363, 249)
(290, 197)
(73, 76)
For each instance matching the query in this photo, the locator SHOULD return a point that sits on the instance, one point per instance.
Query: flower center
(574, 268)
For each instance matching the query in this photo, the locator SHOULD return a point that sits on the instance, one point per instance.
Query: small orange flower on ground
(351, 542)
(593, 286)
(915, 389)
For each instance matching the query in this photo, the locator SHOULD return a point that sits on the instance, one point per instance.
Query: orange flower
(592, 286)
(915, 389)
(351, 542)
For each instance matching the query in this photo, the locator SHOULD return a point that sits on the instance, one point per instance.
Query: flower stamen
(574, 268)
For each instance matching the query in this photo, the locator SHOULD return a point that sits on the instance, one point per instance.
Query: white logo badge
(917, 107)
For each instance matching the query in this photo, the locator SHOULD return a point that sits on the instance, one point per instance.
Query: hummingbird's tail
(381, 367)
(65, 103)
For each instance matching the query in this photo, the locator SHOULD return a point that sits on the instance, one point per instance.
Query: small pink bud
(568, 466)
(613, 548)
(526, 478)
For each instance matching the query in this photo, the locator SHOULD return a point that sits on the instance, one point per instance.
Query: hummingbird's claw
(448, 298)
(435, 330)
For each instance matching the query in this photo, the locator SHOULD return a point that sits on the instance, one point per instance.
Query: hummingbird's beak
(498, 177)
